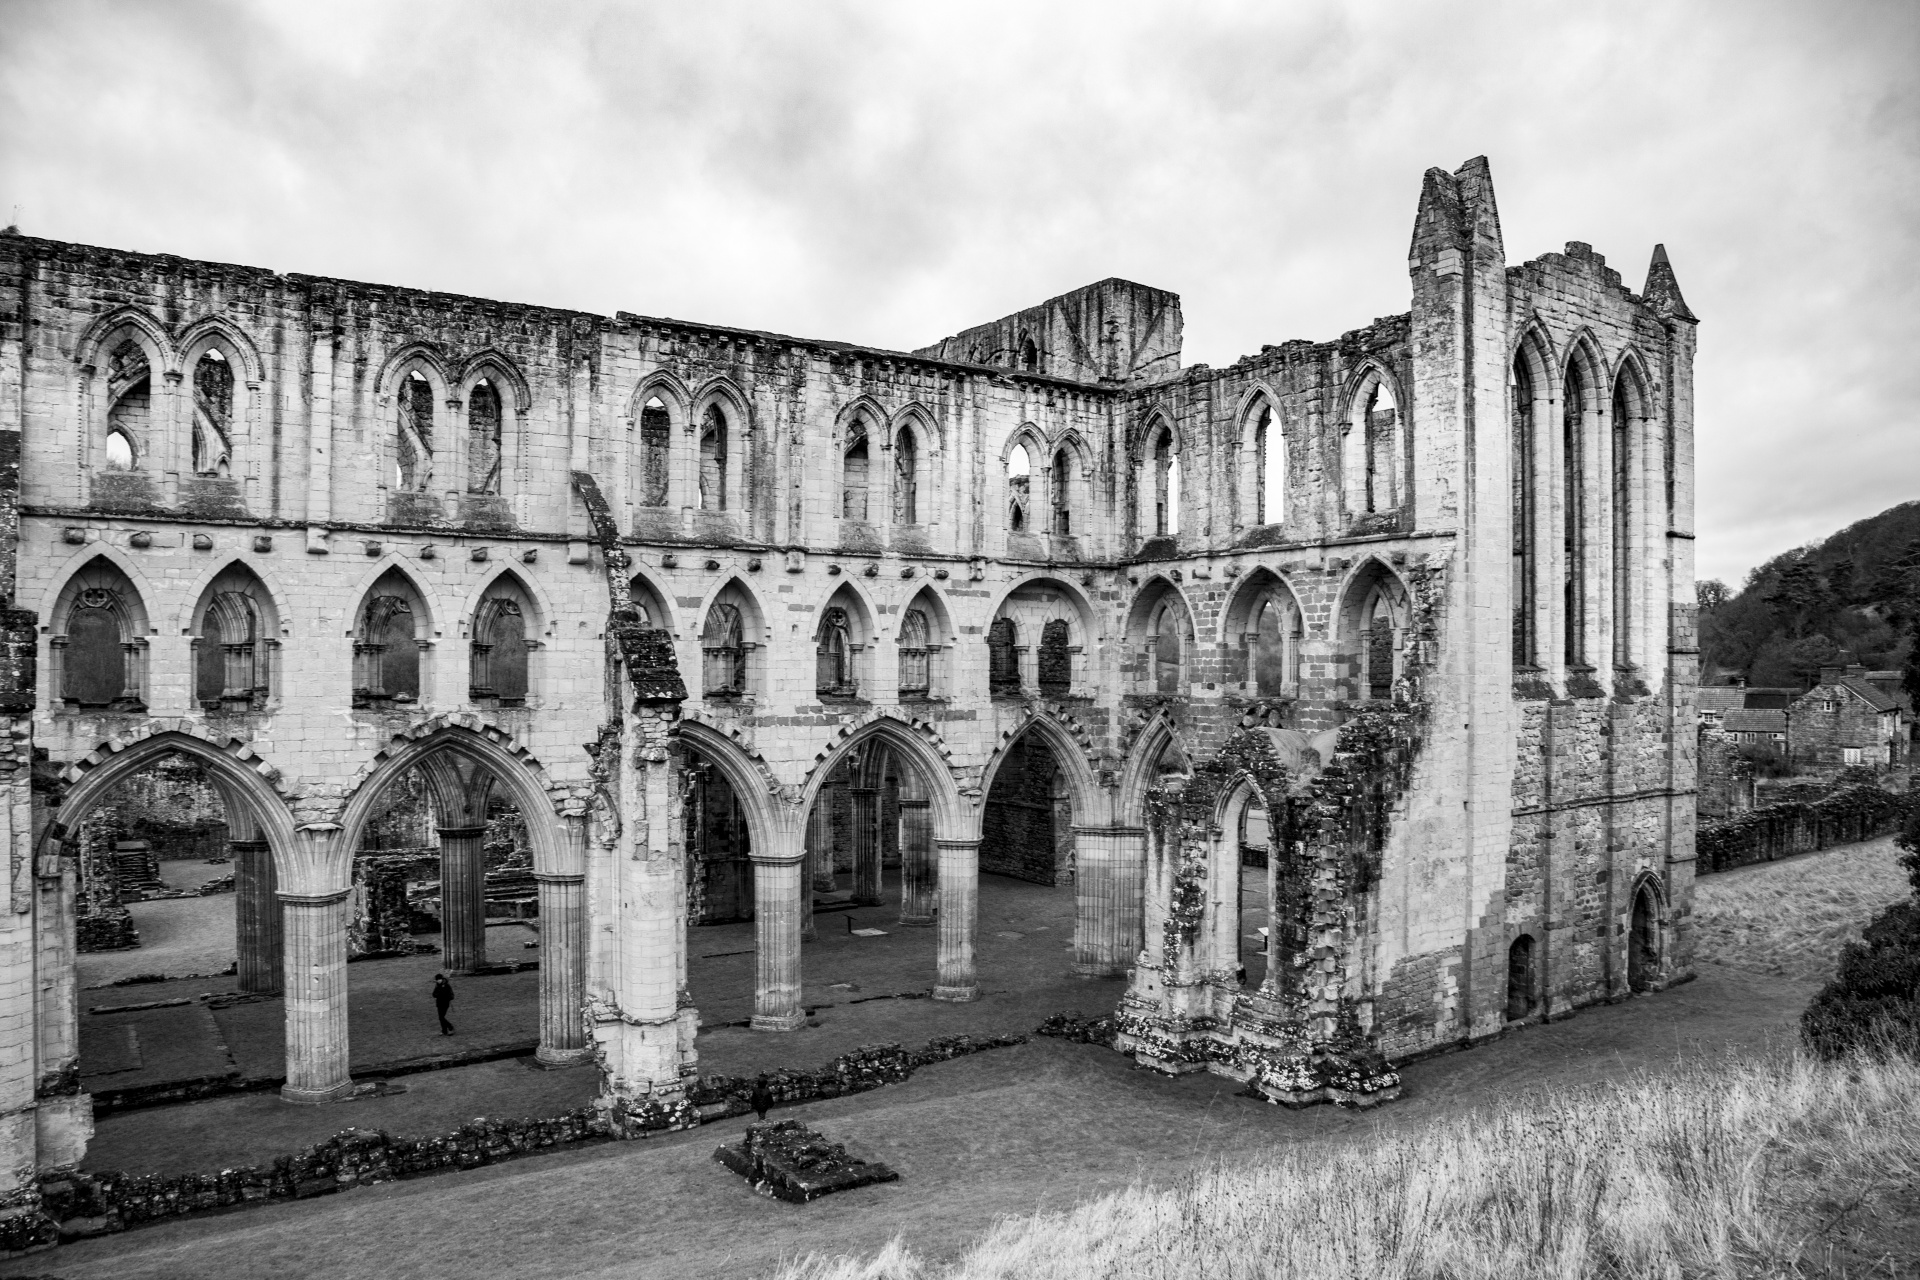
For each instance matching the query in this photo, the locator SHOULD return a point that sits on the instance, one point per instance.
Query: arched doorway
(1520, 978)
(1643, 941)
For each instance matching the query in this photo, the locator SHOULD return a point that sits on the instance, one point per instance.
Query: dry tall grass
(1777, 1167)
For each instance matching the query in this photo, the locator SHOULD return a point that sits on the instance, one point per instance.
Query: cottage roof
(1769, 720)
(1720, 697)
(1876, 697)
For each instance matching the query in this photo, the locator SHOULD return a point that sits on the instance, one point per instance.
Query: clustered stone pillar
(316, 999)
(463, 899)
(777, 890)
(959, 895)
(1107, 893)
(563, 969)
(257, 924)
(918, 876)
(820, 840)
(866, 847)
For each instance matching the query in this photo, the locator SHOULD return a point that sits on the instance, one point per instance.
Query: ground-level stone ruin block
(789, 1161)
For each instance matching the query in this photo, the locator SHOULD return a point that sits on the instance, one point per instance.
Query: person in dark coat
(762, 1097)
(442, 998)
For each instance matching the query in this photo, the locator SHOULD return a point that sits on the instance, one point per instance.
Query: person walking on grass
(442, 998)
(762, 1098)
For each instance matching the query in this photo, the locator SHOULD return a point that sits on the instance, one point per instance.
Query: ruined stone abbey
(738, 620)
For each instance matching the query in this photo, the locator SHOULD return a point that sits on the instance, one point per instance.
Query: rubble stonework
(737, 620)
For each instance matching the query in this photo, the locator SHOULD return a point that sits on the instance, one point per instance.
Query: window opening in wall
(833, 657)
(719, 847)
(1520, 978)
(853, 473)
(1381, 419)
(498, 654)
(1574, 498)
(1019, 487)
(916, 665)
(1029, 356)
(230, 658)
(1623, 514)
(1520, 394)
(1275, 649)
(1163, 643)
(1166, 486)
(713, 459)
(212, 415)
(119, 451)
(1003, 657)
(656, 445)
(1252, 945)
(413, 435)
(906, 479)
(483, 438)
(386, 654)
(724, 652)
(1061, 492)
(1056, 660)
(1270, 456)
(1377, 641)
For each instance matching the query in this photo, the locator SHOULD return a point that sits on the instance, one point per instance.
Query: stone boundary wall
(1782, 830)
(77, 1205)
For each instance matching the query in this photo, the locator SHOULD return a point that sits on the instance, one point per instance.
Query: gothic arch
(195, 592)
(758, 625)
(1241, 598)
(1363, 376)
(55, 596)
(1583, 349)
(914, 741)
(863, 407)
(214, 330)
(922, 419)
(1029, 436)
(1088, 632)
(543, 621)
(494, 365)
(723, 390)
(1630, 375)
(1148, 595)
(1152, 423)
(753, 784)
(515, 770)
(1071, 751)
(940, 624)
(162, 356)
(672, 391)
(425, 628)
(234, 765)
(646, 593)
(429, 360)
(1534, 347)
(1141, 770)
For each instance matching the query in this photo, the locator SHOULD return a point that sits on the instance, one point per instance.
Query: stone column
(959, 896)
(777, 891)
(820, 840)
(463, 899)
(918, 876)
(563, 970)
(866, 847)
(256, 917)
(1107, 899)
(315, 927)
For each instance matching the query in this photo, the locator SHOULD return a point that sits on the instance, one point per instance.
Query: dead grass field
(1791, 918)
(1780, 1166)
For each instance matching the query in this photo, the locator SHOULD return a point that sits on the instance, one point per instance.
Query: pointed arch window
(231, 667)
(1164, 646)
(1574, 499)
(1060, 489)
(1379, 646)
(833, 656)
(1273, 643)
(1019, 488)
(1525, 497)
(212, 414)
(129, 389)
(853, 473)
(723, 652)
(497, 665)
(1029, 356)
(483, 438)
(1166, 485)
(1624, 511)
(656, 445)
(1372, 448)
(386, 654)
(1270, 476)
(713, 459)
(916, 665)
(413, 435)
(906, 478)
(1056, 660)
(1003, 657)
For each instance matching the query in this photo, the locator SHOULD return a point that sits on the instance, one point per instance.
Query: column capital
(461, 833)
(560, 877)
(942, 842)
(1115, 830)
(249, 846)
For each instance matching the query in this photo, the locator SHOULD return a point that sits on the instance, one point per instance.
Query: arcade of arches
(1322, 712)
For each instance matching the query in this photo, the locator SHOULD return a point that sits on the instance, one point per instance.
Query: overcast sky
(890, 173)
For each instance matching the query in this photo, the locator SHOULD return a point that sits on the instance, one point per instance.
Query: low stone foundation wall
(1801, 826)
(75, 1205)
